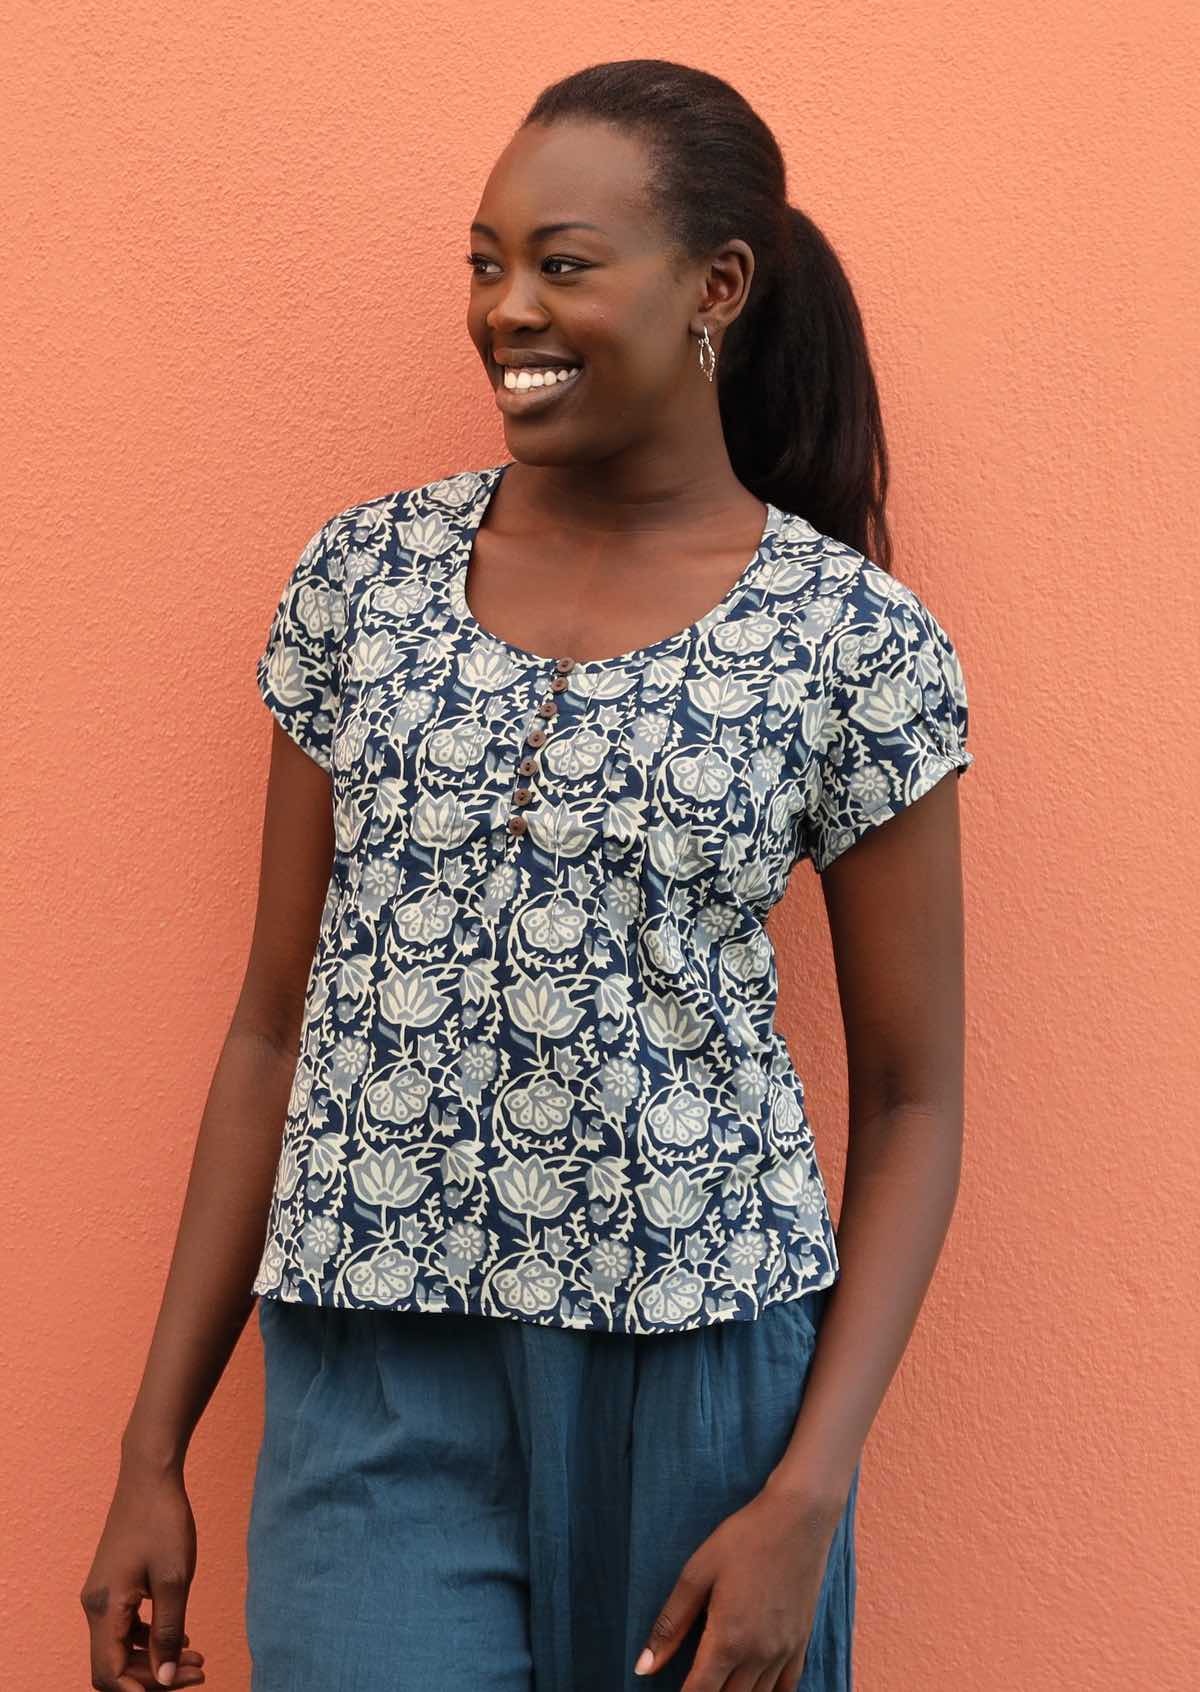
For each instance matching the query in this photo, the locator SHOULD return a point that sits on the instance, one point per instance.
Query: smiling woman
(544, 1253)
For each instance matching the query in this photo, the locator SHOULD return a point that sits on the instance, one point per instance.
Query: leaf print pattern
(895, 719)
(539, 1074)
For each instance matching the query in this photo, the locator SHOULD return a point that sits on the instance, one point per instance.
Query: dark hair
(799, 404)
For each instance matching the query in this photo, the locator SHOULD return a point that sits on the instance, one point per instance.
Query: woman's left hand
(760, 1574)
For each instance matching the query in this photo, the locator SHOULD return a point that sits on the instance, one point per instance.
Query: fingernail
(645, 1662)
(166, 1673)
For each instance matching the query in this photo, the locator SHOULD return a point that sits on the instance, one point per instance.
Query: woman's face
(605, 293)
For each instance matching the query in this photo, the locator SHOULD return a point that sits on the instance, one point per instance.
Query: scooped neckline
(490, 480)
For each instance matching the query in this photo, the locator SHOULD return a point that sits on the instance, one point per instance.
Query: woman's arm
(894, 901)
(207, 1296)
(147, 1547)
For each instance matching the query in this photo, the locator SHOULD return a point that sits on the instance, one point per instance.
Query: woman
(547, 1253)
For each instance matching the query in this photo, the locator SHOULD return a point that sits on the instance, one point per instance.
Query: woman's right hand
(147, 1550)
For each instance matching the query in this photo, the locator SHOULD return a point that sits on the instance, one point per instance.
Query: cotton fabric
(539, 1074)
(479, 1502)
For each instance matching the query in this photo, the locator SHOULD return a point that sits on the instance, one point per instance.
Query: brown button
(522, 795)
(564, 664)
(535, 737)
(547, 708)
(559, 684)
(517, 823)
(527, 766)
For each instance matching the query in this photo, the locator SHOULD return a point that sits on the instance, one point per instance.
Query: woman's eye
(476, 259)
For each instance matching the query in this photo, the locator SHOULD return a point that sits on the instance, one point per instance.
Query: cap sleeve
(895, 714)
(299, 671)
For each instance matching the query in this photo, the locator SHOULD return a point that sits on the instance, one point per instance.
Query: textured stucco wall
(233, 302)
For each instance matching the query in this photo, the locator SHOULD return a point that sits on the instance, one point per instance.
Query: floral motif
(539, 1073)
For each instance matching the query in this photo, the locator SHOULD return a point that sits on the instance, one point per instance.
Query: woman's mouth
(522, 391)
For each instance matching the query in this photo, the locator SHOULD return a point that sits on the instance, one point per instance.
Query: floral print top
(539, 1074)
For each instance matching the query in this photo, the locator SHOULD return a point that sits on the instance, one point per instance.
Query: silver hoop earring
(708, 358)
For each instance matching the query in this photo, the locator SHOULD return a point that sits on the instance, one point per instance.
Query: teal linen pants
(458, 1503)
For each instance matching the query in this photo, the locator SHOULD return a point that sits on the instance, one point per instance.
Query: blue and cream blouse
(539, 1073)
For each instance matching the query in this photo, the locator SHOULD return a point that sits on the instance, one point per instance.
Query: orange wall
(233, 302)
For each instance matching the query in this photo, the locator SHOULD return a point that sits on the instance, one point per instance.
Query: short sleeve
(894, 714)
(299, 671)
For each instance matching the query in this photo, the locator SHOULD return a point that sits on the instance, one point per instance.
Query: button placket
(523, 792)
(545, 714)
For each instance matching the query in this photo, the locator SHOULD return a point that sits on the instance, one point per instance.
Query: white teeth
(522, 379)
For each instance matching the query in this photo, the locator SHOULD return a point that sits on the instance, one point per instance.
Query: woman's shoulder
(446, 493)
(877, 605)
(853, 590)
(368, 523)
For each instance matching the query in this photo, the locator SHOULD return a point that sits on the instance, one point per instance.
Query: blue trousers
(454, 1503)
